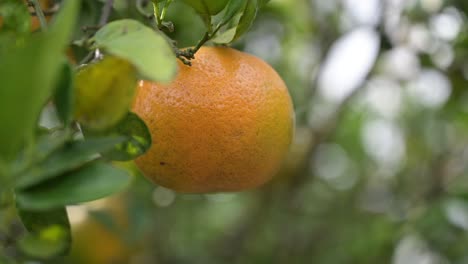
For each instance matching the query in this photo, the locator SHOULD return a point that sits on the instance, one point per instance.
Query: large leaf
(137, 138)
(263, 2)
(93, 181)
(28, 73)
(103, 92)
(70, 156)
(63, 96)
(48, 233)
(145, 48)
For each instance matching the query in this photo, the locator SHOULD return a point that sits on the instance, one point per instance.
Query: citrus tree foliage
(377, 172)
(69, 70)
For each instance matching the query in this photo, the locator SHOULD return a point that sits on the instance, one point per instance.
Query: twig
(186, 55)
(87, 58)
(90, 28)
(140, 6)
(106, 11)
(163, 12)
(39, 13)
(156, 13)
(202, 41)
(46, 13)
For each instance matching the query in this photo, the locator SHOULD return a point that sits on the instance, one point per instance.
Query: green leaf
(70, 156)
(209, 7)
(262, 3)
(48, 235)
(28, 72)
(247, 18)
(146, 49)
(63, 97)
(51, 242)
(15, 17)
(225, 37)
(248, 13)
(233, 7)
(137, 134)
(104, 92)
(93, 181)
(46, 144)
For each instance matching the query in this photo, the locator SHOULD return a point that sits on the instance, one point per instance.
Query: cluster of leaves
(42, 170)
(225, 27)
(47, 169)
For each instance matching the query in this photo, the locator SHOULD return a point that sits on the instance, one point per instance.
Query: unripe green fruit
(210, 7)
(103, 92)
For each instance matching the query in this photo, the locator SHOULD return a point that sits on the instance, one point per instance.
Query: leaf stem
(202, 41)
(163, 12)
(87, 58)
(39, 13)
(156, 13)
(186, 55)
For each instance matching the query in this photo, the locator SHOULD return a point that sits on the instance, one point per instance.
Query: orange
(223, 124)
(90, 232)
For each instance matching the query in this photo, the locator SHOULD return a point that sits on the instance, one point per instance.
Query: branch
(39, 13)
(105, 13)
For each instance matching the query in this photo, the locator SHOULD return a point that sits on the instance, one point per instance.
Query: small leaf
(146, 49)
(104, 91)
(225, 37)
(233, 7)
(248, 14)
(138, 138)
(69, 157)
(63, 97)
(247, 18)
(46, 144)
(48, 233)
(51, 242)
(93, 181)
(35, 222)
(50, 142)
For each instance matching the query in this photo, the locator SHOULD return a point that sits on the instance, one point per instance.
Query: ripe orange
(223, 124)
(89, 232)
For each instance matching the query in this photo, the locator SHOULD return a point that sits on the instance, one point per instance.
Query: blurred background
(378, 172)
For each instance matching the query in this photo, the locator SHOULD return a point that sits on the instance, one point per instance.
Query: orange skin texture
(224, 124)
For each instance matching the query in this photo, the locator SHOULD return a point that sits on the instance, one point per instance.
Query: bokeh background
(378, 172)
